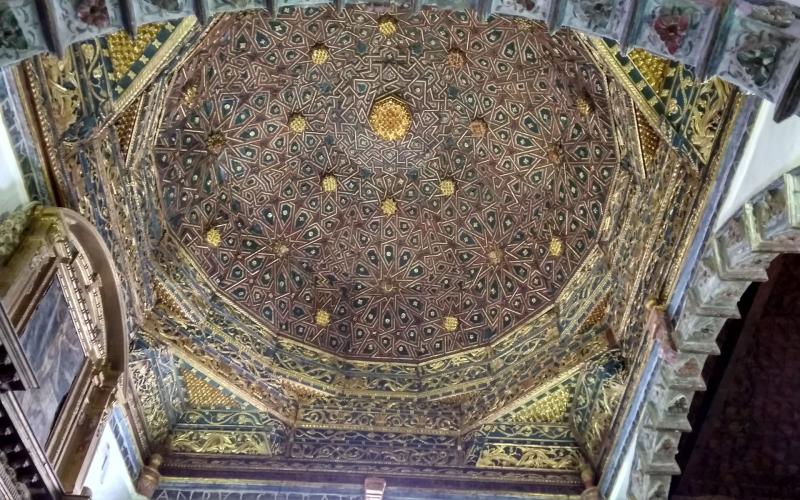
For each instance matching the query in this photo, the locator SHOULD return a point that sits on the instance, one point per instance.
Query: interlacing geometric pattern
(471, 218)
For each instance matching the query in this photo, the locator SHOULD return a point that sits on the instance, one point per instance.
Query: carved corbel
(590, 491)
(149, 477)
(657, 328)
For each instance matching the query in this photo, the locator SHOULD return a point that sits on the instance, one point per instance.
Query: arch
(61, 256)
(734, 257)
(91, 244)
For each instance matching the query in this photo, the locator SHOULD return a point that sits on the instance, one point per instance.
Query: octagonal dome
(482, 230)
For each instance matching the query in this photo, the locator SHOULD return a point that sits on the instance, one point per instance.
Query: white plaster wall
(108, 478)
(12, 190)
(772, 149)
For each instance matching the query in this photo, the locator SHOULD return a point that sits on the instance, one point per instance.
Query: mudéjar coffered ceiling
(386, 186)
(369, 241)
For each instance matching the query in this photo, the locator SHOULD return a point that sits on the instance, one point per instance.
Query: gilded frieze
(238, 443)
(529, 457)
(597, 397)
(375, 447)
(150, 404)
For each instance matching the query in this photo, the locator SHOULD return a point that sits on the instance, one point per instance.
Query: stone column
(148, 479)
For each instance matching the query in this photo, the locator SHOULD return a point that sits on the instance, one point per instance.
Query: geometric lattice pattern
(445, 239)
(201, 394)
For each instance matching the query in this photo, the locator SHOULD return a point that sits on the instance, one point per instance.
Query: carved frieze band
(754, 45)
(737, 255)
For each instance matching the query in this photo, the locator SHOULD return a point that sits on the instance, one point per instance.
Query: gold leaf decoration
(213, 237)
(201, 394)
(124, 52)
(447, 187)
(528, 457)
(390, 118)
(124, 126)
(552, 408)
(653, 68)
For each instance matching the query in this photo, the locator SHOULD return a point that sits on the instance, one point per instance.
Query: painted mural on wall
(51, 343)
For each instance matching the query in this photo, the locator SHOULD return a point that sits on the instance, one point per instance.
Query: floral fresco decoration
(672, 24)
(93, 12)
(780, 16)
(595, 13)
(758, 55)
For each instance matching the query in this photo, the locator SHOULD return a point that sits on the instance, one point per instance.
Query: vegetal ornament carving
(758, 55)
(671, 28)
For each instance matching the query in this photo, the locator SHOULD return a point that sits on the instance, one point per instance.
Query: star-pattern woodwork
(469, 240)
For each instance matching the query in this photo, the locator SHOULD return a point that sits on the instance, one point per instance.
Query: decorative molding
(757, 51)
(737, 255)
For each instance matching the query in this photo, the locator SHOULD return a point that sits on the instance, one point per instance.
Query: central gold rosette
(390, 118)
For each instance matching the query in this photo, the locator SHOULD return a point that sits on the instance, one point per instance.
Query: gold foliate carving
(653, 68)
(189, 92)
(495, 256)
(201, 394)
(529, 457)
(146, 387)
(583, 105)
(173, 305)
(478, 127)
(390, 118)
(123, 51)
(556, 246)
(215, 143)
(240, 443)
(64, 89)
(456, 58)
(707, 115)
(301, 393)
(12, 229)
